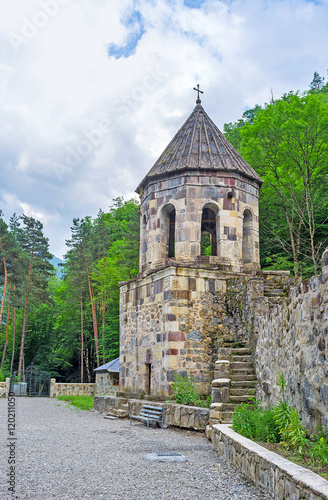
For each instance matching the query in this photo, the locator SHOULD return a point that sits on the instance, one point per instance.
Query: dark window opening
(116, 379)
(208, 233)
(247, 247)
(171, 250)
(148, 378)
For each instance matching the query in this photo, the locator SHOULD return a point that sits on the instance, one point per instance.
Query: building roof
(111, 366)
(200, 145)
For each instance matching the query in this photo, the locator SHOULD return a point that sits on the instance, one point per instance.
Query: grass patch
(81, 402)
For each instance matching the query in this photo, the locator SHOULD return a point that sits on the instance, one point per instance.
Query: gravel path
(68, 454)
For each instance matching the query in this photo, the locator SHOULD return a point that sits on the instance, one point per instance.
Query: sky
(92, 91)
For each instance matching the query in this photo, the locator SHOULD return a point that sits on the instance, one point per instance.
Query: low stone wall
(4, 388)
(187, 417)
(104, 404)
(271, 472)
(65, 389)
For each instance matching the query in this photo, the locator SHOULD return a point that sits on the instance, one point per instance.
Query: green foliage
(253, 422)
(281, 382)
(205, 244)
(185, 392)
(286, 142)
(319, 451)
(81, 402)
(281, 424)
(282, 414)
(2, 376)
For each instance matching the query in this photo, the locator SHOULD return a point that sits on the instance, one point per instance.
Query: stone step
(240, 351)
(246, 371)
(243, 383)
(241, 359)
(243, 376)
(110, 417)
(226, 417)
(241, 366)
(241, 399)
(273, 293)
(240, 391)
(229, 407)
(118, 413)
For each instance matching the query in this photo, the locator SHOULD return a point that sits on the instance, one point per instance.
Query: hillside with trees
(67, 322)
(286, 142)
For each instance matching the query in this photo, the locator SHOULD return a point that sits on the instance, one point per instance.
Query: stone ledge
(268, 470)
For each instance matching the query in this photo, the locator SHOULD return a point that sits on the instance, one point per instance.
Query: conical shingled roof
(199, 144)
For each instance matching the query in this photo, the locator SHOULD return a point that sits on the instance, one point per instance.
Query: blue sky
(92, 91)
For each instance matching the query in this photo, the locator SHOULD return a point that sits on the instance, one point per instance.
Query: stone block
(220, 395)
(222, 369)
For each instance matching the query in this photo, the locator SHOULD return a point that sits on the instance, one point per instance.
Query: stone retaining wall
(276, 475)
(292, 338)
(64, 389)
(188, 417)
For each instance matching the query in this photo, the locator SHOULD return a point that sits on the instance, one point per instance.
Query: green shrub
(243, 420)
(185, 392)
(266, 430)
(253, 422)
(319, 451)
(2, 376)
(282, 413)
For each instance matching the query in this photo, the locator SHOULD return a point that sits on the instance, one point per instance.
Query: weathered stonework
(104, 384)
(292, 339)
(188, 194)
(66, 389)
(187, 417)
(277, 476)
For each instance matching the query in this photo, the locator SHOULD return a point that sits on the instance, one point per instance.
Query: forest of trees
(67, 323)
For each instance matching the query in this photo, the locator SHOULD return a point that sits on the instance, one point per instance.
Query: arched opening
(169, 218)
(247, 250)
(208, 241)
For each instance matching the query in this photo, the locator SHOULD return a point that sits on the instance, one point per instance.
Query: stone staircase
(242, 381)
(234, 381)
(273, 290)
(122, 412)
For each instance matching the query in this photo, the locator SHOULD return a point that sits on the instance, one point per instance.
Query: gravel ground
(70, 454)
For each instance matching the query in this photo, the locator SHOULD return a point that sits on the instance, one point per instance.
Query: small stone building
(199, 227)
(107, 378)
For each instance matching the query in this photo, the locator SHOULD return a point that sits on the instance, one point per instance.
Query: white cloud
(79, 128)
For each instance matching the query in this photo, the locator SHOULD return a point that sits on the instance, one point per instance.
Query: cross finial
(198, 92)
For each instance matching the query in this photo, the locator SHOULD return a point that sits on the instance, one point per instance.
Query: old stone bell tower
(199, 227)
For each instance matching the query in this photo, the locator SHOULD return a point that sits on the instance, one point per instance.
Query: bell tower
(199, 228)
(199, 202)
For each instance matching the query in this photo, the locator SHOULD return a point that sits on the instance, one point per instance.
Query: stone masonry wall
(188, 193)
(63, 389)
(278, 477)
(164, 323)
(292, 340)
(104, 384)
(188, 417)
(175, 320)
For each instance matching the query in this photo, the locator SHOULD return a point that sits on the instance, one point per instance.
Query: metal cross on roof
(198, 92)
